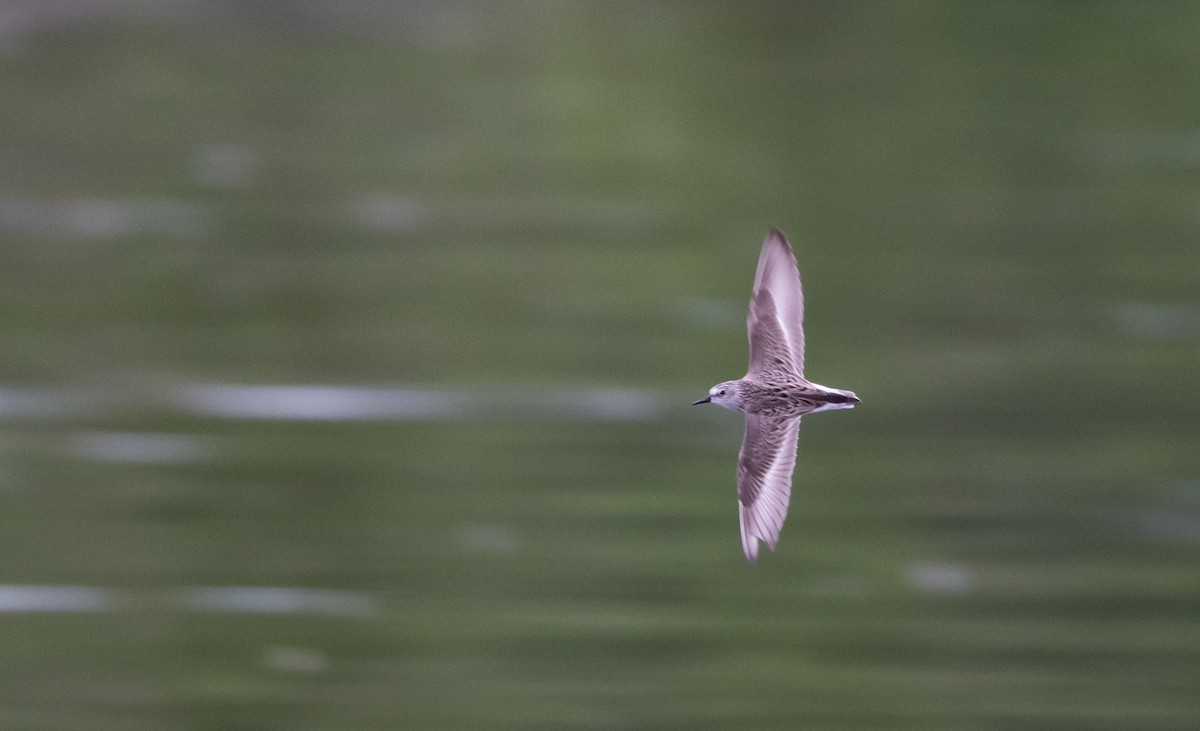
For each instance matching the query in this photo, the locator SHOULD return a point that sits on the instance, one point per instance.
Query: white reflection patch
(278, 600)
(941, 578)
(356, 403)
(141, 448)
(41, 599)
(17, 598)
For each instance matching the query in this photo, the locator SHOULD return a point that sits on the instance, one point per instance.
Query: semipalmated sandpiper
(773, 395)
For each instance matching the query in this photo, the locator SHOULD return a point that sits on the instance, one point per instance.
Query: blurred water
(348, 351)
(236, 600)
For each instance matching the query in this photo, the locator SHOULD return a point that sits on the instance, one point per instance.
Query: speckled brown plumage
(773, 395)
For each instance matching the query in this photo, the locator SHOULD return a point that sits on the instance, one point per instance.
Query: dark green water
(529, 230)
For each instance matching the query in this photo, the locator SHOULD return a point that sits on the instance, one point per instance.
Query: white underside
(831, 407)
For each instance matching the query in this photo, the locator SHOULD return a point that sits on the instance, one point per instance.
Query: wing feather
(765, 466)
(775, 322)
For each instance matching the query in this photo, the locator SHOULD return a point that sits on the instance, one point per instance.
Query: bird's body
(773, 395)
(783, 395)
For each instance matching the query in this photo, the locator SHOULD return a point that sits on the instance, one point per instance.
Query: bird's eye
(721, 394)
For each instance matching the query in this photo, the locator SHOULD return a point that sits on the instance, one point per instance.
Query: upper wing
(764, 479)
(775, 323)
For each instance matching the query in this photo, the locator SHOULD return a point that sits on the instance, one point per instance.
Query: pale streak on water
(387, 214)
(20, 598)
(41, 599)
(234, 166)
(357, 403)
(103, 218)
(941, 578)
(1159, 321)
(137, 448)
(318, 402)
(929, 578)
(277, 600)
(225, 165)
(328, 403)
(19, 402)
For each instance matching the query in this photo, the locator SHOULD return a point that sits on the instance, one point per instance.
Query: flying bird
(773, 395)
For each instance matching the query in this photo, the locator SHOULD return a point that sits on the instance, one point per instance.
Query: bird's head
(729, 394)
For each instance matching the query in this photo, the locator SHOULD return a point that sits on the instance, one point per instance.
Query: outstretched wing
(764, 479)
(775, 323)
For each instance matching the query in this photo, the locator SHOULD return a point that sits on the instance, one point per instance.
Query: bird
(773, 395)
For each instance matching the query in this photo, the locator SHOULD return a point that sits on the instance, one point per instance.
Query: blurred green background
(348, 348)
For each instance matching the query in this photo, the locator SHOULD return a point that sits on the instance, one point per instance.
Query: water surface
(348, 353)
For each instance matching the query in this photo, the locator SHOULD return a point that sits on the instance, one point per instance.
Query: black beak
(705, 400)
